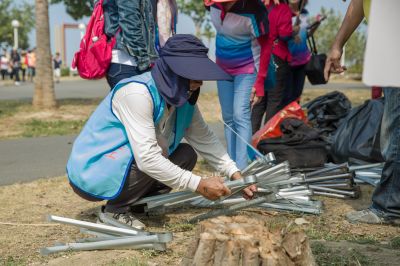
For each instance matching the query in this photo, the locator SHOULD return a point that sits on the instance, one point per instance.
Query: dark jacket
(135, 20)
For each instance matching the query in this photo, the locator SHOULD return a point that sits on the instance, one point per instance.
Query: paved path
(25, 160)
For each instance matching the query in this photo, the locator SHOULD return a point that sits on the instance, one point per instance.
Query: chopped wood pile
(245, 241)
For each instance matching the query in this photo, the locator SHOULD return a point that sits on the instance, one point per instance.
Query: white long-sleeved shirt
(133, 106)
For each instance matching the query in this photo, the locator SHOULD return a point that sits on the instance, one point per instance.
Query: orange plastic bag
(272, 129)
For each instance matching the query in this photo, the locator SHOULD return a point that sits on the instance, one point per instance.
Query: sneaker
(120, 219)
(370, 217)
(17, 83)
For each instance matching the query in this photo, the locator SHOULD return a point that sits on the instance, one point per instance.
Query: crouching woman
(131, 147)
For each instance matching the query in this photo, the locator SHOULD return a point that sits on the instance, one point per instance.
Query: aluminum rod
(324, 178)
(155, 246)
(97, 234)
(327, 170)
(233, 208)
(106, 244)
(367, 166)
(96, 227)
(332, 195)
(291, 208)
(335, 191)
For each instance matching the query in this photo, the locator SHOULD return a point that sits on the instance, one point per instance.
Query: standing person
(32, 64)
(131, 146)
(166, 15)
(134, 24)
(280, 32)
(24, 65)
(57, 62)
(381, 69)
(16, 66)
(299, 51)
(4, 64)
(242, 50)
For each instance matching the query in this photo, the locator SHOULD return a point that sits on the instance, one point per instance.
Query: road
(98, 89)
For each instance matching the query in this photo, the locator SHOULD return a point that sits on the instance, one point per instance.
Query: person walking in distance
(32, 64)
(16, 66)
(4, 64)
(57, 62)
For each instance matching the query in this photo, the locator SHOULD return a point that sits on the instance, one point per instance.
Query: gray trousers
(139, 185)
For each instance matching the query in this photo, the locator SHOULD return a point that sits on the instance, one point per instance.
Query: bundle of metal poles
(338, 180)
(371, 175)
(112, 235)
(277, 190)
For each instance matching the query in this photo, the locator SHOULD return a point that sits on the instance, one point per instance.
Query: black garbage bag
(326, 112)
(300, 144)
(359, 135)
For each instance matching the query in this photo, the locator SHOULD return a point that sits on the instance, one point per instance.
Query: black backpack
(300, 145)
(326, 112)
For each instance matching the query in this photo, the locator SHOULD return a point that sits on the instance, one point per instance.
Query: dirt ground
(24, 230)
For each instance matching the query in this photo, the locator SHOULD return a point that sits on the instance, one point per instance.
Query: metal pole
(96, 227)
(15, 37)
(233, 208)
(106, 244)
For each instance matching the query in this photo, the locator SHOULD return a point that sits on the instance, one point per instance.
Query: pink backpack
(94, 56)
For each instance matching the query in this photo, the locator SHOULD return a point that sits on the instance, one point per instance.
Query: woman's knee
(184, 156)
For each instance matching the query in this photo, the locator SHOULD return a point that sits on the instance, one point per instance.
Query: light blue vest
(101, 156)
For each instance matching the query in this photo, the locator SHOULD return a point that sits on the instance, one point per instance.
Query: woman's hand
(248, 192)
(254, 99)
(267, 2)
(213, 188)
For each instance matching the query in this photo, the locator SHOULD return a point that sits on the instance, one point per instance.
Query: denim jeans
(296, 84)
(234, 97)
(118, 72)
(386, 197)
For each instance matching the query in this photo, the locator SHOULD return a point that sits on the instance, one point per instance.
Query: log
(205, 250)
(240, 240)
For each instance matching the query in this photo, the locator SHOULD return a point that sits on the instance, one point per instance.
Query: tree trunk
(197, 27)
(44, 96)
(237, 241)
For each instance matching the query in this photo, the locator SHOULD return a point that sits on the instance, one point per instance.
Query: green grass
(10, 261)
(327, 257)
(8, 108)
(180, 227)
(38, 128)
(395, 242)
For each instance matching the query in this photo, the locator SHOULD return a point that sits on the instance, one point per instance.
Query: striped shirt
(241, 41)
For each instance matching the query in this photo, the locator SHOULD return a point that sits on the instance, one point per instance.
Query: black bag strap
(312, 45)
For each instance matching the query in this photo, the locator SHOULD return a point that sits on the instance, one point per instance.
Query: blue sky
(58, 16)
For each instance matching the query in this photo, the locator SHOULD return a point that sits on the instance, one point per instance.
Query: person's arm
(285, 27)
(164, 19)
(207, 144)
(353, 18)
(133, 106)
(130, 23)
(265, 57)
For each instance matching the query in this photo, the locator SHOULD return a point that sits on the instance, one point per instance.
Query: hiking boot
(120, 219)
(370, 217)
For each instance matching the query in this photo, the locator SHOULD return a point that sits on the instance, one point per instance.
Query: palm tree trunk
(44, 96)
